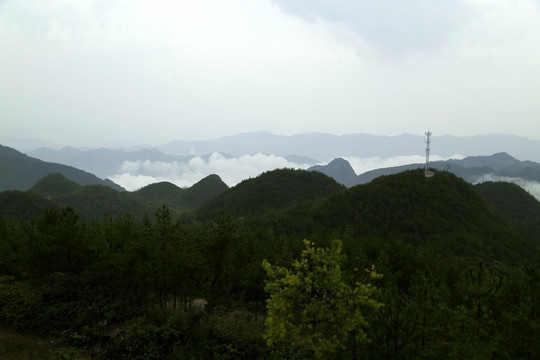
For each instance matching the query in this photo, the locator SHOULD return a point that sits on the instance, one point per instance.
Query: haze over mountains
(20, 172)
(243, 156)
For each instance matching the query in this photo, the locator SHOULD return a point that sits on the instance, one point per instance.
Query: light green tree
(313, 306)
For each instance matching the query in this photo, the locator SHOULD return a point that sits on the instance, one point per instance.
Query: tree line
(223, 289)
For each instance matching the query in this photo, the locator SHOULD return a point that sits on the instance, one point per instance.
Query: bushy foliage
(312, 305)
(272, 190)
(460, 281)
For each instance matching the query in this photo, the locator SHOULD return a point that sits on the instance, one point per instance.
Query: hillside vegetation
(288, 265)
(54, 185)
(158, 193)
(443, 212)
(24, 205)
(272, 190)
(182, 200)
(93, 202)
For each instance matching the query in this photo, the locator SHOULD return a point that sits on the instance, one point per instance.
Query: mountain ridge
(21, 172)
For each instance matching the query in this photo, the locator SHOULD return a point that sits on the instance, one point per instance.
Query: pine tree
(312, 306)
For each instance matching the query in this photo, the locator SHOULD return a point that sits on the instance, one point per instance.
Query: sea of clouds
(134, 175)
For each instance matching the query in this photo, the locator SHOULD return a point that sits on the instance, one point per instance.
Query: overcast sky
(126, 72)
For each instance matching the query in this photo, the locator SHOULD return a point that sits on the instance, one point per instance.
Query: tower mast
(428, 142)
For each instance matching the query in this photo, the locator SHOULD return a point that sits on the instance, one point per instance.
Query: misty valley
(315, 263)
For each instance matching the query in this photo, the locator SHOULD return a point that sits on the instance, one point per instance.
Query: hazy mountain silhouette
(325, 147)
(303, 150)
(20, 172)
(339, 169)
(103, 162)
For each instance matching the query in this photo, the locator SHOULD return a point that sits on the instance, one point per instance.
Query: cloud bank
(532, 187)
(136, 174)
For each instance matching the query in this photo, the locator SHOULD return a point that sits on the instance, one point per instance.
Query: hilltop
(182, 199)
(444, 212)
(473, 169)
(92, 202)
(339, 169)
(272, 190)
(54, 185)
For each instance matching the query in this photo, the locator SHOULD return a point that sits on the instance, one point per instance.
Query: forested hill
(20, 172)
(54, 185)
(442, 212)
(158, 193)
(272, 190)
(183, 199)
(93, 202)
(421, 268)
(515, 204)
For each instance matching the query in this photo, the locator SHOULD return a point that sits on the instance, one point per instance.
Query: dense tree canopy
(461, 279)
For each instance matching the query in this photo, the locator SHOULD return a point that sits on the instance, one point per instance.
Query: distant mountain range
(473, 169)
(325, 147)
(20, 172)
(339, 169)
(301, 200)
(250, 154)
(107, 162)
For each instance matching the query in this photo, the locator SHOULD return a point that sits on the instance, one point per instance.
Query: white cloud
(134, 182)
(532, 187)
(232, 170)
(136, 174)
(362, 165)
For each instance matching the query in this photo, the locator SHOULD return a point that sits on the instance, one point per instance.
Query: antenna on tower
(428, 173)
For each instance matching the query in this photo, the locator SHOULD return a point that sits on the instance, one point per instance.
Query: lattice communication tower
(428, 142)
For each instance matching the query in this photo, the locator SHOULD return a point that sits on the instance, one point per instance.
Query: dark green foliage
(460, 278)
(54, 185)
(443, 212)
(277, 189)
(93, 201)
(180, 200)
(201, 192)
(158, 193)
(515, 204)
(24, 205)
(512, 201)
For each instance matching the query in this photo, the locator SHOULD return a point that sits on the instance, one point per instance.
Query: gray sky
(126, 72)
